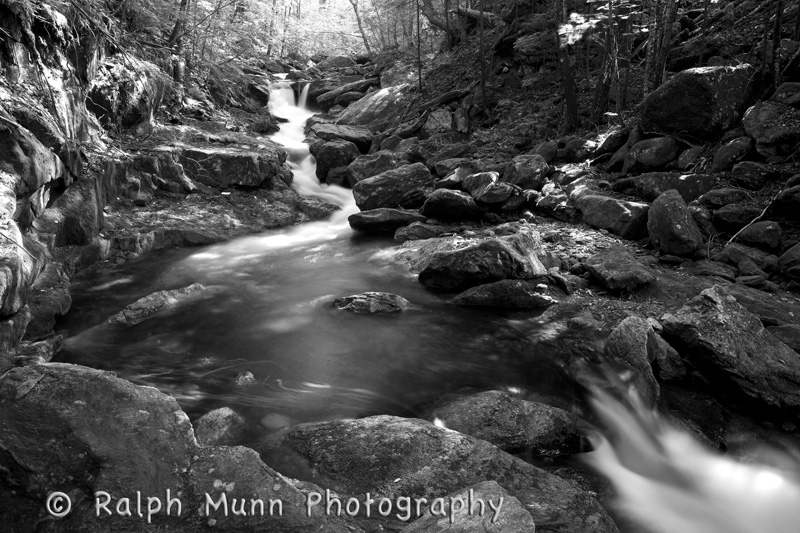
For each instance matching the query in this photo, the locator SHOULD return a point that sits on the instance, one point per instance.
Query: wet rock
(383, 219)
(220, 427)
(774, 126)
(446, 204)
(652, 153)
(752, 175)
(731, 153)
(379, 110)
(666, 361)
(367, 166)
(620, 217)
(671, 227)
(223, 167)
(513, 518)
(628, 344)
(510, 423)
(419, 230)
(333, 154)
(386, 189)
(371, 303)
(724, 196)
(396, 457)
(734, 217)
(617, 269)
(527, 171)
(764, 234)
(489, 260)
(789, 334)
(700, 103)
(649, 186)
(731, 347)
(145, 307)
(360, 136)
(769, 310)
(518, 294)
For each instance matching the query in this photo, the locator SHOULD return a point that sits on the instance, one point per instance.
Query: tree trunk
(419, 51)
(354, 3)
(570, 95)
(777, 29)
(653, 30)
(484, 101)
(670, 12)
(434, 17)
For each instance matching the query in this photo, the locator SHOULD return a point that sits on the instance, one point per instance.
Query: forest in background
(608, 54)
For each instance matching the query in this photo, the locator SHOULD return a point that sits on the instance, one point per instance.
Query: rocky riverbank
(668, 247)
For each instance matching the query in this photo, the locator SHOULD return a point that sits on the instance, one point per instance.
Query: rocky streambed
(389, 380)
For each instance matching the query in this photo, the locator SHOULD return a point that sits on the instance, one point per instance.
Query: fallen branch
(761, 214)
(488, 18)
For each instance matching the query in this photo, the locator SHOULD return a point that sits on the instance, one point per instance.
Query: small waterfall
(668, 482)
(301, 102)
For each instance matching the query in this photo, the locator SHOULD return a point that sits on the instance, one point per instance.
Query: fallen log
(488, 18)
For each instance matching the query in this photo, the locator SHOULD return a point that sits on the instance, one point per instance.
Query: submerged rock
(511, 424)
(222, 426)
(144, 308)
(395, 457)
(731, 347)
(372, 302)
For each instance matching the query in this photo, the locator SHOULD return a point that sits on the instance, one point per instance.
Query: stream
(267, 343)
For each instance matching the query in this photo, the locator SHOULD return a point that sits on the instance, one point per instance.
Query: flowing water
(267, 343)
(268, 315)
